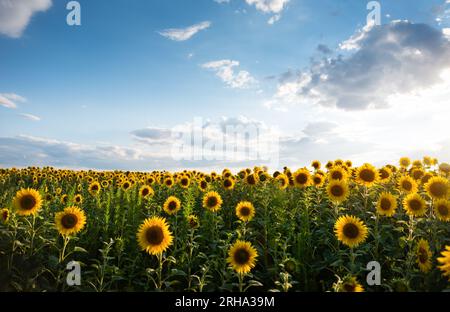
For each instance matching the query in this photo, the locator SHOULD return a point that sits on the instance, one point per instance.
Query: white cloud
(446, 32)
(26, 150)
(268, 6)
(274, 19)
(182, 34)
(16, 14)
(383, 61)
(30, 117)
(225, 71)
(9, 100)
(222, 1)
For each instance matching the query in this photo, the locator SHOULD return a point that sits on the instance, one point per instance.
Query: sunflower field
(310, 229)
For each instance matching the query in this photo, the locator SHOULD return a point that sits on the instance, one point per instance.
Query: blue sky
(75, 96)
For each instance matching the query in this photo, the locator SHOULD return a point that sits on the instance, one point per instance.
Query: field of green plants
(310, 229)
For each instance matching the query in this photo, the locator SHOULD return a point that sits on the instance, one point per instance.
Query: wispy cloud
(9, 100)
(16, 14)
(182, 34)
(30, 117)
(225, 71)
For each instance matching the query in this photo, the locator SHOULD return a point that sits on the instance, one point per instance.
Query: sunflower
(367, 175)
(203, 185)
(70, 221)
(146, 191)
(193, 221)
(282, 181)
(185, 182)
(329, 165)
(414, 205)
(105, 184)
(78, 199)
(27, 202)
(318, 180)
(94, 188)
(426, 177)
(445, 262)
(64, 199)
(337, 191)
(407, 185)
(154, 236)
(4, 215)
(316, 164)
(348, 284)
(242, 174)
(385, 174)
(126, 185)
(444, 168)
(442, 209)
(350, 230)
(228, 183)
(337, 173)
(417, 173)
(302, 178)
(245, 211)
(404, 162)
(387, 204)
(437, 187)
(424, 255)
(264, 176)
(212, 201)
(427, 160)
(242, 257)
(172, 205)
(251, 179)
(48, 197)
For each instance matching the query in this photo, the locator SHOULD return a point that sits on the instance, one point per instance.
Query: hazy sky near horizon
(312, 75)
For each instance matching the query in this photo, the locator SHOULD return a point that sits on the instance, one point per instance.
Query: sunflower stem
(241, 282)
(160, 260)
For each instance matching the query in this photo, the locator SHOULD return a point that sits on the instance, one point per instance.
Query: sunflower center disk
(407, 185)
(241, 256)
(423, 256)
(145, 192)
(385, 204)
(415, 205)
(443, 210)
(212, 201)
(351, 231)
(349, 287)
(172, 205)
(154, 235)
(367, 175)
(337, 190)
(301, 179)
(69, 221)
(438, 189)
(27, 202)
(245, 211)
